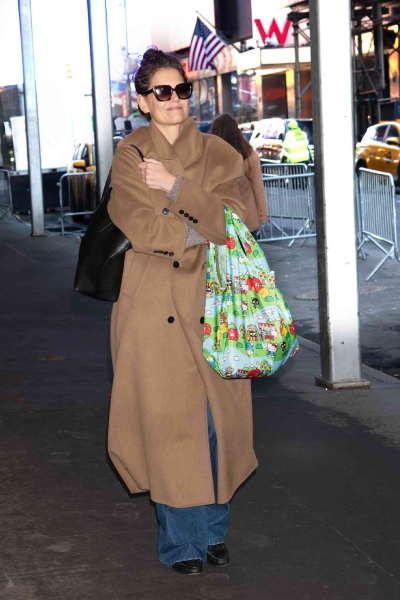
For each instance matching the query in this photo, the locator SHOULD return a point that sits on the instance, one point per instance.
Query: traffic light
(68, 73)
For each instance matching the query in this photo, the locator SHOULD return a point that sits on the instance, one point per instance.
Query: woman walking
(251, 184)
(176, 428)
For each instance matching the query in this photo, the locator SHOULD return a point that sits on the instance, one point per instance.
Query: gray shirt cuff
(173, 193)
(193, 237)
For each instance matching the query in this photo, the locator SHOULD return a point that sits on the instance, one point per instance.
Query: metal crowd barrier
(291, 207)
(377, 214)
(278, 169)
(77, 196)
(6, 203)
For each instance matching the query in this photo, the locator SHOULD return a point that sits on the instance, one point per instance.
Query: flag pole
(222, 37)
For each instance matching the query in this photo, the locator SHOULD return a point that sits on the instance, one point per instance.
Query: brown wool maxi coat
(158, 438)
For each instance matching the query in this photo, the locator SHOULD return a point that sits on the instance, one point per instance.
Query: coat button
(181, 212)
(171, 319)
(165, 252)
(202, 320)
(195, 221)
(186, 215)
(165, 211)
(190, 218)
(176, 264)
(171, 253)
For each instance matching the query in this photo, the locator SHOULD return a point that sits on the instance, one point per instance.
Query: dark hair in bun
(153, 60)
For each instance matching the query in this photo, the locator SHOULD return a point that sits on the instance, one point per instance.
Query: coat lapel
(184, 151)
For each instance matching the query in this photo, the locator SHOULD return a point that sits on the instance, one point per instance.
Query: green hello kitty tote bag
(248, 329)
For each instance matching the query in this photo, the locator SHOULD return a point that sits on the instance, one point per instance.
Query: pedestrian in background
(251, 184)
(295, 145)
(176, 428)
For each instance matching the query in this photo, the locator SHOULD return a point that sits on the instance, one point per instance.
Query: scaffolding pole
(31, 118)
(101, 90)
(297, 81)
(337, 256)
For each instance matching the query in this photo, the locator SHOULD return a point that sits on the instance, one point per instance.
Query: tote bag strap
(107, 185)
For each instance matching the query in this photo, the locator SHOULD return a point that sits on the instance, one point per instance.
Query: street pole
(101, 90)
(297, 83)
(335, 193)
(379, 51)
(31, 118)
(128, 91)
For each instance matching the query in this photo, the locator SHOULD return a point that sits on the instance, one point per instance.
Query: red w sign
(281, 36)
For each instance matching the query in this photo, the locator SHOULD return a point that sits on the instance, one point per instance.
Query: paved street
(316, 521)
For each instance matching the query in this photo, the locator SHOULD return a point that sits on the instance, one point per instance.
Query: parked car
(247, 129)
(379, 149)
(268, 136)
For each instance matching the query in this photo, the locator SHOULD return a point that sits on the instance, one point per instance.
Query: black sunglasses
(163, 93)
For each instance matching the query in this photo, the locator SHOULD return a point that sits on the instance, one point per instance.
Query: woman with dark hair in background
(176, 428)
(251, 184)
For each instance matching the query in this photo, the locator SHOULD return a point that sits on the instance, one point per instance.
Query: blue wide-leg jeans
(185, 533)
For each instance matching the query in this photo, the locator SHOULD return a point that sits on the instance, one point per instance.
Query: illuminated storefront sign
(274, 29)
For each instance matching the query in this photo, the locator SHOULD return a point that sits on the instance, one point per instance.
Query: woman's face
(172, 112)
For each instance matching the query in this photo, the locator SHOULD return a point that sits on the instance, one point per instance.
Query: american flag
(204, 47)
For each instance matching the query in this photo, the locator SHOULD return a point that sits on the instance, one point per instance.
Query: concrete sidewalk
(318, 520)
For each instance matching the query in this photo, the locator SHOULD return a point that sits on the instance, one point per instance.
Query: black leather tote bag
(102, 253)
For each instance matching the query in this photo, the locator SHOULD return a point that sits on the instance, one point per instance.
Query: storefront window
(192, 101)
(244, 97)
(274, 96)
(208, 98)
(306, 99)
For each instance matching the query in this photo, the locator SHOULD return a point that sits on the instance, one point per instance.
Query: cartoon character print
(237, 284)
(271, 279)
(242, 373)
(292, 328)
(209, 291)
(237, 218)
(228, 281)
(282, 328)
(245, 308)
(254, 284)
(233, 333)
(244, 288)
(268, 331)
(255, 303)
(272, 314)
(272, 349)
(254, 373)
(249, 349)
(222, 318)
(229, 372)
(211, 360)
(207, 329)
(252, 333)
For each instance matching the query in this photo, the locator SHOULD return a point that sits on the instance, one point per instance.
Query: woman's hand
(155, 175)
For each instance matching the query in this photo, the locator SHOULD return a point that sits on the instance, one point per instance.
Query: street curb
(367, 370)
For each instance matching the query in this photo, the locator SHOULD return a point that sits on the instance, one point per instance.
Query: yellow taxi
(82, 191)
(379, 149)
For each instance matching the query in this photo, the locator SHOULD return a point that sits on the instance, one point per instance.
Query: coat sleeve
(204, 210)
(255, 177)
(132, 209)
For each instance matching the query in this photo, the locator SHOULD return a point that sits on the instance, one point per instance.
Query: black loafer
(189, 567)
(218, 555)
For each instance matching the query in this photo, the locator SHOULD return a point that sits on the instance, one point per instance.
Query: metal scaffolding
(374, 25)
